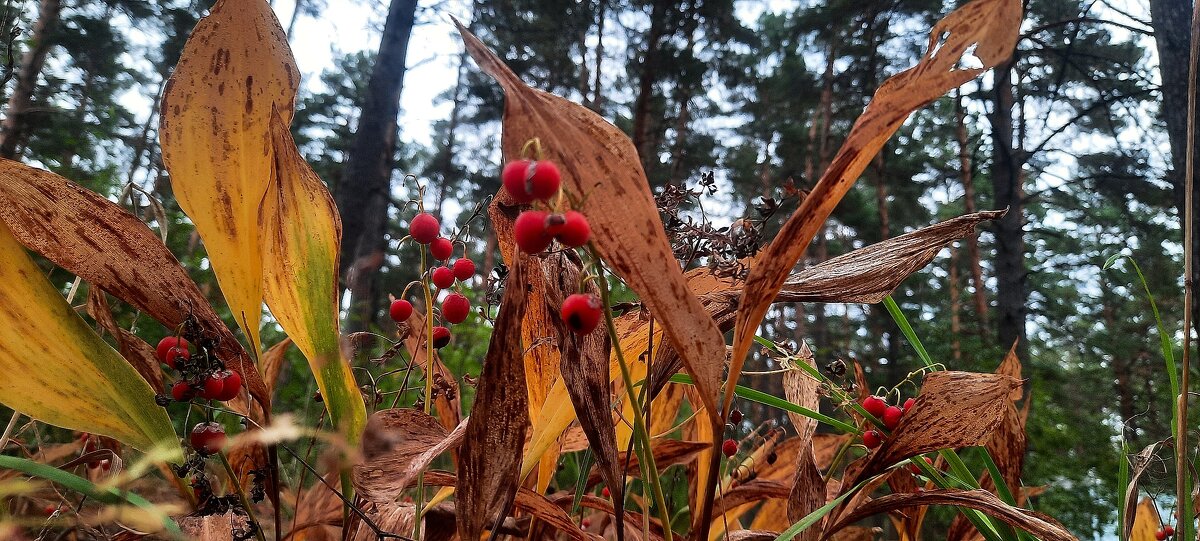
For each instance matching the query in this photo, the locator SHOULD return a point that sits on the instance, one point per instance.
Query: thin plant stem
(237, 487)
(1182, 481)
(8, 430)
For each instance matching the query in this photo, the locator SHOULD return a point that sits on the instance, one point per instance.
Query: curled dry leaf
(667, 453)
(1041, 526)
(524, 500)
(602, 173)
(633, 520)
(272, 363)
(235, 71)
(752, 535)
(300, 239)
(986, 29)
(1138, 465)
(490, 459)
(98, 241)
(399, 443)
(132, 348)
(749, 492)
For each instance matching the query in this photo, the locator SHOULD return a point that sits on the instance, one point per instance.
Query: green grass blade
(909, 333)
(779, 403)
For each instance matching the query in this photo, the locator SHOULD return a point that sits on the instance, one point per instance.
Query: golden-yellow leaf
(216, 116)
(59, 370)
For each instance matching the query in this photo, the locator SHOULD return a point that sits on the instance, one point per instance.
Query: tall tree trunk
(955, 302)
(596, 103)
(447, 157)
(364, 194)
(966, 174)
(1171, 20)
(1011, 294)
(12, 129)
(647, 77)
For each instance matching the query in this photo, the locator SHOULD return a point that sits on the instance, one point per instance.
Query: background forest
(1080, 135)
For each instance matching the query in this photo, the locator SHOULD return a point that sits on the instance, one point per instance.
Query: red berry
(891, 417)
(50, 510)
(581, 312)
(735, 416)
(177, 357)
(1160, 535)
(872, 439)
(915, 469)
(463, 269)
(232, 385)
(441, 248)
(441, 337)
(400, 310)
(605, 492)
(575, 232)
(443, 277)
(166, 344)
(586, 523)
(908, 404)
(528, 180)
(181, 391)
(207, 438)
(875, 405)
(214, 387)
(1168, 530)
(530, 232)
(729, 448)
(424, 228)
(456, 308)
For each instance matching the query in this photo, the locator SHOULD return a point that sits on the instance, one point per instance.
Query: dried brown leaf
(490, 459)
(97, 240)
(525, 500)
(272, 363)
(1138, 465)
(1041, 526)
(752, 535)
(397, 444)
(667, 453)
(132, 348)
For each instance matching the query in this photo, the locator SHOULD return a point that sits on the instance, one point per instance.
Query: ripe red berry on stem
(443, 277)
(441, 248)
(207, 438)
(455, 308)
(872, 439)
(214, 387)
(605, 492)
(528, 180)
(424, 228)
(891, 417)
(165, 348)
(530, 232)
(181, 391)
(1169, 530)
(231, 385)
(735, 416)
(177, 357)
(581, 312)
(875, 405)
(463, 269)
(908, 404)
(575, 231)
(441, 337)
(729, 447)
(1160, 535)
(400, 310)
(915, 469)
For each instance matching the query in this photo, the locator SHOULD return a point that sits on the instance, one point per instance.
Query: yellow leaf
(1145, 523)
(216, 115)
(59, 370)
(301, 233)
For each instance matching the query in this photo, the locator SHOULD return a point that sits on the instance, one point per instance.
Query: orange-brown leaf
(1041, 526)
(397, 444)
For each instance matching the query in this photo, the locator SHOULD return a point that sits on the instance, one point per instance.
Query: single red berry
(605, 492)
(441, 337)
(530, 232)
(575, 232)
(581, 312)
(1160, 535)
(50, 510)
(231, 385)
(424, 228)
(456, 308)
(528, 180)
(441, 248)
(872, 439)
(729, 448)
(514, 177)
(177, 357)
(214, 386)
(586, 523)
(165, 345)
(181, 391)
(400, 310)
(207, 438)
(891, 417)
(443, 277)
(915, 469)
(875, 405)
(1168, 530)
(735, 416)
(908, 404)
(463, 269)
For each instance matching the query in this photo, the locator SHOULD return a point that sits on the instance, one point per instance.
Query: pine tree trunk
(646, 79)
(1171, 20)
(13, 128)
(364, 194)
(596, 102)
(955, 302)
(1011, 294)
(966, 174)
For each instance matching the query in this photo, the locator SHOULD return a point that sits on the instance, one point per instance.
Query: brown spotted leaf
(601, 172)
(399, 444)
(667, 453)
(984, 29)
(1041, 526)
(1145, 524)
(752, 535)
(490, 459)
(97, 240)
(135, 350)
(524, 500)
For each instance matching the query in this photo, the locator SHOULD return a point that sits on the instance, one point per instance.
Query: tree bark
(646, 80)
(955, 321)
(364, 194)
(1171, 20)
(966, 174)
(15, 124)
(1011, 294)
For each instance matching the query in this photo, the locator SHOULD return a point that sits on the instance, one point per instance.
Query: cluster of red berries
(207, 382)
(426, 230)
(528, 181)
(1165, 532)
(890, 415)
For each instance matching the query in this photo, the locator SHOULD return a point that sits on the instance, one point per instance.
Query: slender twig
(237, 487)
(8, 430)
(1183, 493)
